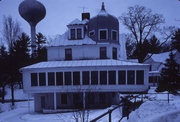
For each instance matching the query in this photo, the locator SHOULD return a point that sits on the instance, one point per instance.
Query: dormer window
(103, 34)
(79, 33)
(76, 33)
(114, 35)
(73, 34)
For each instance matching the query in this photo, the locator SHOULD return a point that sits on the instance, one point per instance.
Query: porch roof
(82, 63)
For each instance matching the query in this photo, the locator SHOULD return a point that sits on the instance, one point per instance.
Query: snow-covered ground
(149, 111)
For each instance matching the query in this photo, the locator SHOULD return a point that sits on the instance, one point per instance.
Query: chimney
(85, 16)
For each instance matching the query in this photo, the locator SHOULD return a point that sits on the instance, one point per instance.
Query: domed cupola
(104, 27)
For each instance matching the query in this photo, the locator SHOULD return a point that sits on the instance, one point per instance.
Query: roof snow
(82, 63)
(62, 40)
(161, 57)
(78, 22)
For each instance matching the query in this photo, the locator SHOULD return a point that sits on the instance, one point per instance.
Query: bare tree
(11, 30)
(141, 22)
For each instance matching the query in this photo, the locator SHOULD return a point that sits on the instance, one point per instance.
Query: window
(34, 79)
(91, 98)
(63, 98)
(139, 77)
(114, 53)
(114, 35)
(85, 77)
(59, 78)
(130, 77)
(79, 33)
(76, 78)
(112, 77)
(51, 79)
(77, 99)
(68, 78)
(94, 77)
(68, 54)
(91, 33)
(72, 33)
(122, 77)
(102, 98)
(103, 77)
(42, 79)
(103, 34)
(103, 53)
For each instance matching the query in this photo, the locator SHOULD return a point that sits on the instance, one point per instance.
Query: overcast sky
(61, 12)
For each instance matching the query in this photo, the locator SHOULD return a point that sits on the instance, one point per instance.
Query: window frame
(60, 83)
(112, 35)
(129, 82)
(113, 55)
(34, 83)
(111, 77)
(101, 56)
(71, 33)
(120, 79)
(80, 33)
(68, 56)
(44, 82)
(51, 83)
(99, 34)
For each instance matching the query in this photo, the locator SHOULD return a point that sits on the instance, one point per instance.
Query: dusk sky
(61, 12)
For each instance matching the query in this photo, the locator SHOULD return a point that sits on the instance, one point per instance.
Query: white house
(84, 68)
(156, 62)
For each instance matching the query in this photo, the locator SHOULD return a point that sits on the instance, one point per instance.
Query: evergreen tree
(176, 37)
(41, 48)
(3, 71)
(154, 45)
(20, 56)
(170, 81)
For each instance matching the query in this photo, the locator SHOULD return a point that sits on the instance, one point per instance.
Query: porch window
(102, 98)
(68, 54)
(112, 77)
(130, 77)
(42, 79)
(63, 98)
(103, 77)
(139, 77)
(68, 79)
(122, 77)
(59, 78)
(34, 79)
(76, 78)
(51, 79)
(94, 77)
(85, 77)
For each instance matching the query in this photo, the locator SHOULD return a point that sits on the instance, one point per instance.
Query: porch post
(55, 101)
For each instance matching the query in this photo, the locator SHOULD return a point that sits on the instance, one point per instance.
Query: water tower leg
(33, 40)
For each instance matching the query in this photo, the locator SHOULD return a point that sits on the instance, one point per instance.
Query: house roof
(161, 57)
(82, 63)
(62, 40)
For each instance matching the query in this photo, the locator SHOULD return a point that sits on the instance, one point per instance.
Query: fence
(142, 97)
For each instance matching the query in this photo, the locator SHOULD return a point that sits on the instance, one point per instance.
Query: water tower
(33, 12)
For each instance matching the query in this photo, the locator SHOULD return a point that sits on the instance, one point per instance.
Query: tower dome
(103, 21)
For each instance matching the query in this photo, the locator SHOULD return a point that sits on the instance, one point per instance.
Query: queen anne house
(84, 68)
